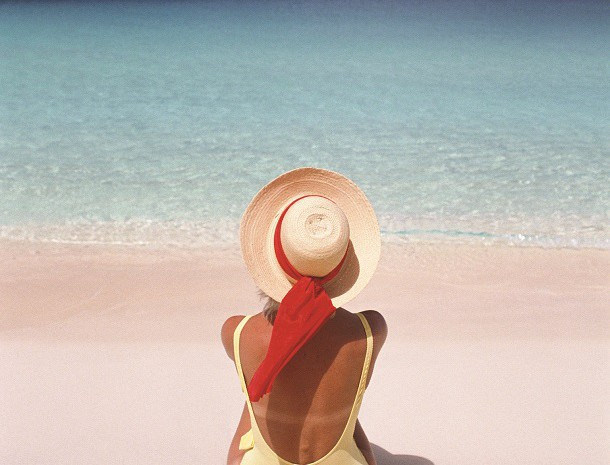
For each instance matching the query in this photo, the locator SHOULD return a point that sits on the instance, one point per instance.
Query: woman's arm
(235, 454)
(363, 444)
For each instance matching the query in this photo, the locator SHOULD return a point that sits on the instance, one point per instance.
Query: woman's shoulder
(376, 321)
(256, 324)
(227, 331)
(378, 325)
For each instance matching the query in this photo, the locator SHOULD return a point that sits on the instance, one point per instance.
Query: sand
(496, 355)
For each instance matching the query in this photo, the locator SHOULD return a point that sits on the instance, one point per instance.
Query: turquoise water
(157, 122)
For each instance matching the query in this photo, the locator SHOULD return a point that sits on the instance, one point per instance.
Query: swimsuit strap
(254, 433)
(236, 337)
(353, 418)
(369, 349)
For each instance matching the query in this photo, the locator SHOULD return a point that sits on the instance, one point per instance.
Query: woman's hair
(270, 307)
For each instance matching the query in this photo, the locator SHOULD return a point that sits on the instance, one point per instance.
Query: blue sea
(156, 122)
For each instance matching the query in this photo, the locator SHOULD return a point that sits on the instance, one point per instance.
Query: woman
(310, 240)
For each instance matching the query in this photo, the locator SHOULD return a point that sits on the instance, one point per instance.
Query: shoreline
(428, 290)
(198, 236)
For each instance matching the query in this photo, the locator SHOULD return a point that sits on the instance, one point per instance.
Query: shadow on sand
(386, 458)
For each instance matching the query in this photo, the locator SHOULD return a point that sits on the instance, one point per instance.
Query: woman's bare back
(306, 412)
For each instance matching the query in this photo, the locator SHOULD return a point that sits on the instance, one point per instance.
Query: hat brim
(260, 218)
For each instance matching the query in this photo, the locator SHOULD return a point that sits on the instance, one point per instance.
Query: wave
(224, 232)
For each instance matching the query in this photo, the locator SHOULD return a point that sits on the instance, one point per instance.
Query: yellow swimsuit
(345, 452)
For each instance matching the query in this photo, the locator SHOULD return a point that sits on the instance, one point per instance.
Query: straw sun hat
(328, 218)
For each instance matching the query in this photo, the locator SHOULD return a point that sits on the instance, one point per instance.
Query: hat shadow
(384, 457)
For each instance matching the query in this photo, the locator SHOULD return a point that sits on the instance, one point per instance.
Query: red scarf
(302, 312)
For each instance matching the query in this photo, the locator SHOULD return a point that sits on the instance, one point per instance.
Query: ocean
(154, 123)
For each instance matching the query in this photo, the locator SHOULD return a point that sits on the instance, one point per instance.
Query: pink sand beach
(496, 355)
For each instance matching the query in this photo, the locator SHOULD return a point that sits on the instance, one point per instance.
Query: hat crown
(259, 233)
(314, 235)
